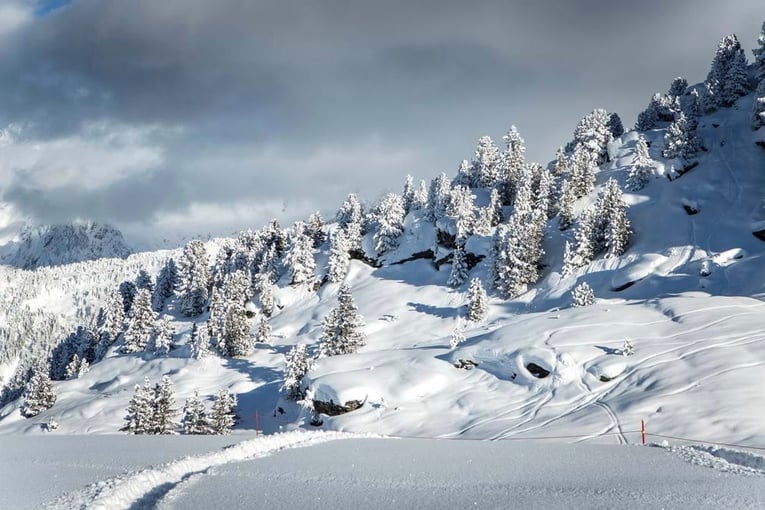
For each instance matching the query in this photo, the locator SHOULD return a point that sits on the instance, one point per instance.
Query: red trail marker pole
(642, 431)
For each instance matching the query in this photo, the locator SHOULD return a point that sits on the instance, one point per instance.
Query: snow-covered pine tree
(593, 133)
(420, 200)
(641, 168)
(39, 394)
(194, 278)
(265, 295)
(485, 167)
(343, 328)
(461, 208)
(737, 81)
(297, 365)
(692, 107)
(438, 198)
(457, 337)
(567, 202)
(263, 334)
(390, 223)
(727, 79)
(648, 118)
(199, 342)
(166, 283)
(478, 302)
(140, 411)
(759, 54)
(113, 325)
(612, 212)
(161, 337)
(519, 253)
(350, 218)
(194, 419)
(544, 197)
(582, 295)
(582, 174)
(582, 251)
(73, 368)
(216, 322)
(140, 325)
(223, 416)
(299, 260)
(615, 125)
(561, 165)
(408, 194)
(236, 331)
(758, 109)
(127, 291)
(512, 163)
(524, 189)
(678, 87)
(339, 258)
(163, 421)
(144, 281)
(459, 271)
(315, 229)
(680, 141)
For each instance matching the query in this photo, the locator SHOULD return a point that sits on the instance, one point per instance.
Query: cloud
(137, 112)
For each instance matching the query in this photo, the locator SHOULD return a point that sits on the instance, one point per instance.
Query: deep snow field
(687, 294)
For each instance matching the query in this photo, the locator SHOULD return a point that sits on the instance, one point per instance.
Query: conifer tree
(593, 133)
(582, 251)
(162, 337)
(166, 283)
(236, 333)
(420, 200)
(297, 365)
(265, 296)
(582, 295)
(390, 223)
(478, 302)
(408, 194)
(339, 258)
(648, 118)
(438, 198)
(140, 411)
(518, 252)
(163, 407)
(128, 292)
(641, 168)
(315, 229)
(459, 271)
(612, 212)
(583, 168)
(758, 110)
(727, 79)
(194, 278)
(263, 334)
(544, 199)
(112, 327)
(223, 415)
(678, 87)
(194, 419)
(200, 342)
(567, 201)
(39, 394)
(615, 125)
(299, 259)
(561, 165)
(692, 107)
(485, 167)
(343, 328)
(457, 337)
(512, 165)
(460, 207)
(73, 368)
(350, 218)
(759, 54)
(140, 325)
(143, 281)
(680, 140)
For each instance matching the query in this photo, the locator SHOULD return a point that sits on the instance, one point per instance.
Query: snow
(335, 470)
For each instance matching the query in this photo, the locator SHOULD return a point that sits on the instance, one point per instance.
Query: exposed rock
(332, 409)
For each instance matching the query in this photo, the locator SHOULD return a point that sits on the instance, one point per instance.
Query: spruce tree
(518, 252)
(593, 133)
(350, 218)
(265, 296)
(408, 194)
(583, 249)
(299, 259)
(339, 258)
(758, 110)
(73, 368)
(641, 167)
(194, 278)
(485, 168)
(727, 79)
(478, 303)
(561, 165)
(140, 325)
(459, 271)
(420, 200)
(583, 168)
(144, 281)
(678, 87)
(199, 341)
(39, 394)
(223, 415)
(163, 408)
(612, 213)
(567, 202)
(680, 140)
(512, 164)
(128, 292)
(236, 335)
(759, 54)
(461, 209)
(263, 334)
(615, 125)
(166, 283)
(582, 295)
(297, 365)
(438, 198)
(343, 328)
(140, 411)
(390, 223)
(544, 196)
(315, 229)
(162, 337)
(194, 419)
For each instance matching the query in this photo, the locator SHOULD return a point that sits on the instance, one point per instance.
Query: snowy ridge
(146, 488)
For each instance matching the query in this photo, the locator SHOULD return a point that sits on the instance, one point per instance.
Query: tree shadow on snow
(608, 350)
(261, 400)
(442, 312)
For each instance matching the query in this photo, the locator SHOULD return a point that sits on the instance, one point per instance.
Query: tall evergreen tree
(166, 283)
(39, 393)
(593, 133)
(641, 168)
(161, 337)
(567, 202)
(343, 328)
(299, 260)
(140, 411)
(485, 168)
(408, 194)
(582, 295)
(339, 258)
(390, 223)
(236, 335)
(459, 271)
(460, 207)
(164, 413)
(612, 212)
(263, 334)
(512, 164)
(758, 110)
(727, 79)
(140, 325)
(759, 54)
(315, 229)
(680, 141)
(223, 416)
(350, 218)
(144, 281)
(678, 87)
(128, 292)
(583, 168)
(561, 165)
(615, 125)
(438, 198)
(265, 296)
(582, 251)
(478, 302)
(200, 342)
(194, 419)
(518, 253)
(296, 366)
(194, 278)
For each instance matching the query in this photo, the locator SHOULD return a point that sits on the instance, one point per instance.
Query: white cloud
(13, 15)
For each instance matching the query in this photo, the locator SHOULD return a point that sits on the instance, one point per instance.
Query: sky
(196, 118)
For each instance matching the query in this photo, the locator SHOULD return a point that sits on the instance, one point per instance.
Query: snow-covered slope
(53, 245)
(687, 294)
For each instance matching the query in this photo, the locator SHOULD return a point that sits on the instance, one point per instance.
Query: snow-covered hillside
(675, 337)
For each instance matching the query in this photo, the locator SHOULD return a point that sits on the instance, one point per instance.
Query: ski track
(148, 488)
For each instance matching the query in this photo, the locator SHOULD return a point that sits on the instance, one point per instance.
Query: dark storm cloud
(262, 98)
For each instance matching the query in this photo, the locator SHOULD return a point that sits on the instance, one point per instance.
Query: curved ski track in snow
(147, 488)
